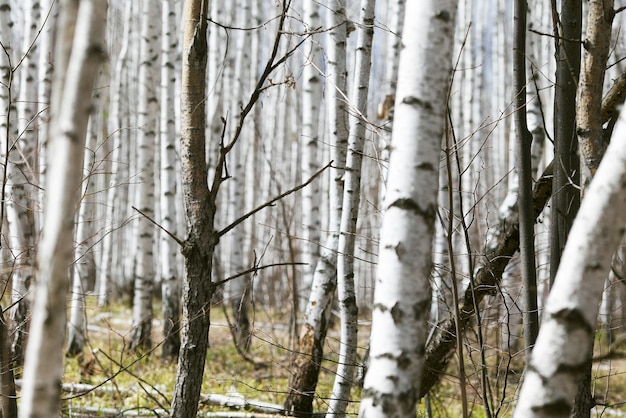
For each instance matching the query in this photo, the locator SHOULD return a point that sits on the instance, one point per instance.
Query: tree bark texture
(402, 295)
(346, 295)
(170, 287)
(8, 400)
(309, 355)
(147, 120)
(44, 356)
(524, 175)
(564, 347)
(566, 196)
(592, 140)
(200, 209)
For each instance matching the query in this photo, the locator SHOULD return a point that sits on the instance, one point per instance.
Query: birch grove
(301, 208)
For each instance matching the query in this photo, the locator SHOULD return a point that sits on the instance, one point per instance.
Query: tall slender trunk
(564, 347)
(147, 121)
(524, 173)
(402, 294)
(170, 287)
(44, 356)
(200, 211)
(310, 136)
(592, 139)
(566, 196)
(309, 354)
(350, 212)
(82, 266)
(116, 189)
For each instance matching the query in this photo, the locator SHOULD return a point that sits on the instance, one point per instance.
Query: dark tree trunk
(566, 196)
(524, 171)
(202, 238)
(7, 380)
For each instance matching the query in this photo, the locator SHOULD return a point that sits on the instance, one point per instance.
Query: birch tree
(402, 295)
(81, 266)
(350, 211)
(565, 342)
(171, 281)
(147, 113)
(592, 139)
(309, 354)
(44, 356)
(17, 153)
(116, 190)
(311, 99)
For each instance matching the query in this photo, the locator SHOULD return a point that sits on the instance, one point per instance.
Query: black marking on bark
(404, 361)
(443, 15)
(412, 206)
(400, 251)
(396, 313)
(398, 404)
(426, 166)
(557, 408)
(573, 320)
(412, 101)
(383, 308)
(421, 309)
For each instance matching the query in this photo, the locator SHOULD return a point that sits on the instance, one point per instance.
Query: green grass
(131, 381)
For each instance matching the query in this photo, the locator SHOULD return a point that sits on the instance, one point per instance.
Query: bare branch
(271, 201)
(174, 237)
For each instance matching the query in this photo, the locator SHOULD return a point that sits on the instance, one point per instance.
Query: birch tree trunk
(44, 356)
(16, 152)
(564, 346)
(350, 212)
(402, 294)
(81, 266)
(147, 121)
(592, 140)
(311, 99)
(116, 190)
(170, 288)
(309, 354)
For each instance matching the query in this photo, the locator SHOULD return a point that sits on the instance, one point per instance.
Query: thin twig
(254, 269)
(270, 202)
(174, 237)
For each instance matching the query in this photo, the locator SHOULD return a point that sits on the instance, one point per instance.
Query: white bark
(16, 150)
(170, 287)
(147, 121)
(44, 355)
(350, 212)
(402, 294)
(44, 77)
(311, 99)
(83, 260)
(564, 345)
(116, 190)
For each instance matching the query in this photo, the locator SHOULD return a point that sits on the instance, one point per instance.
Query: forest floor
(109, 380)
